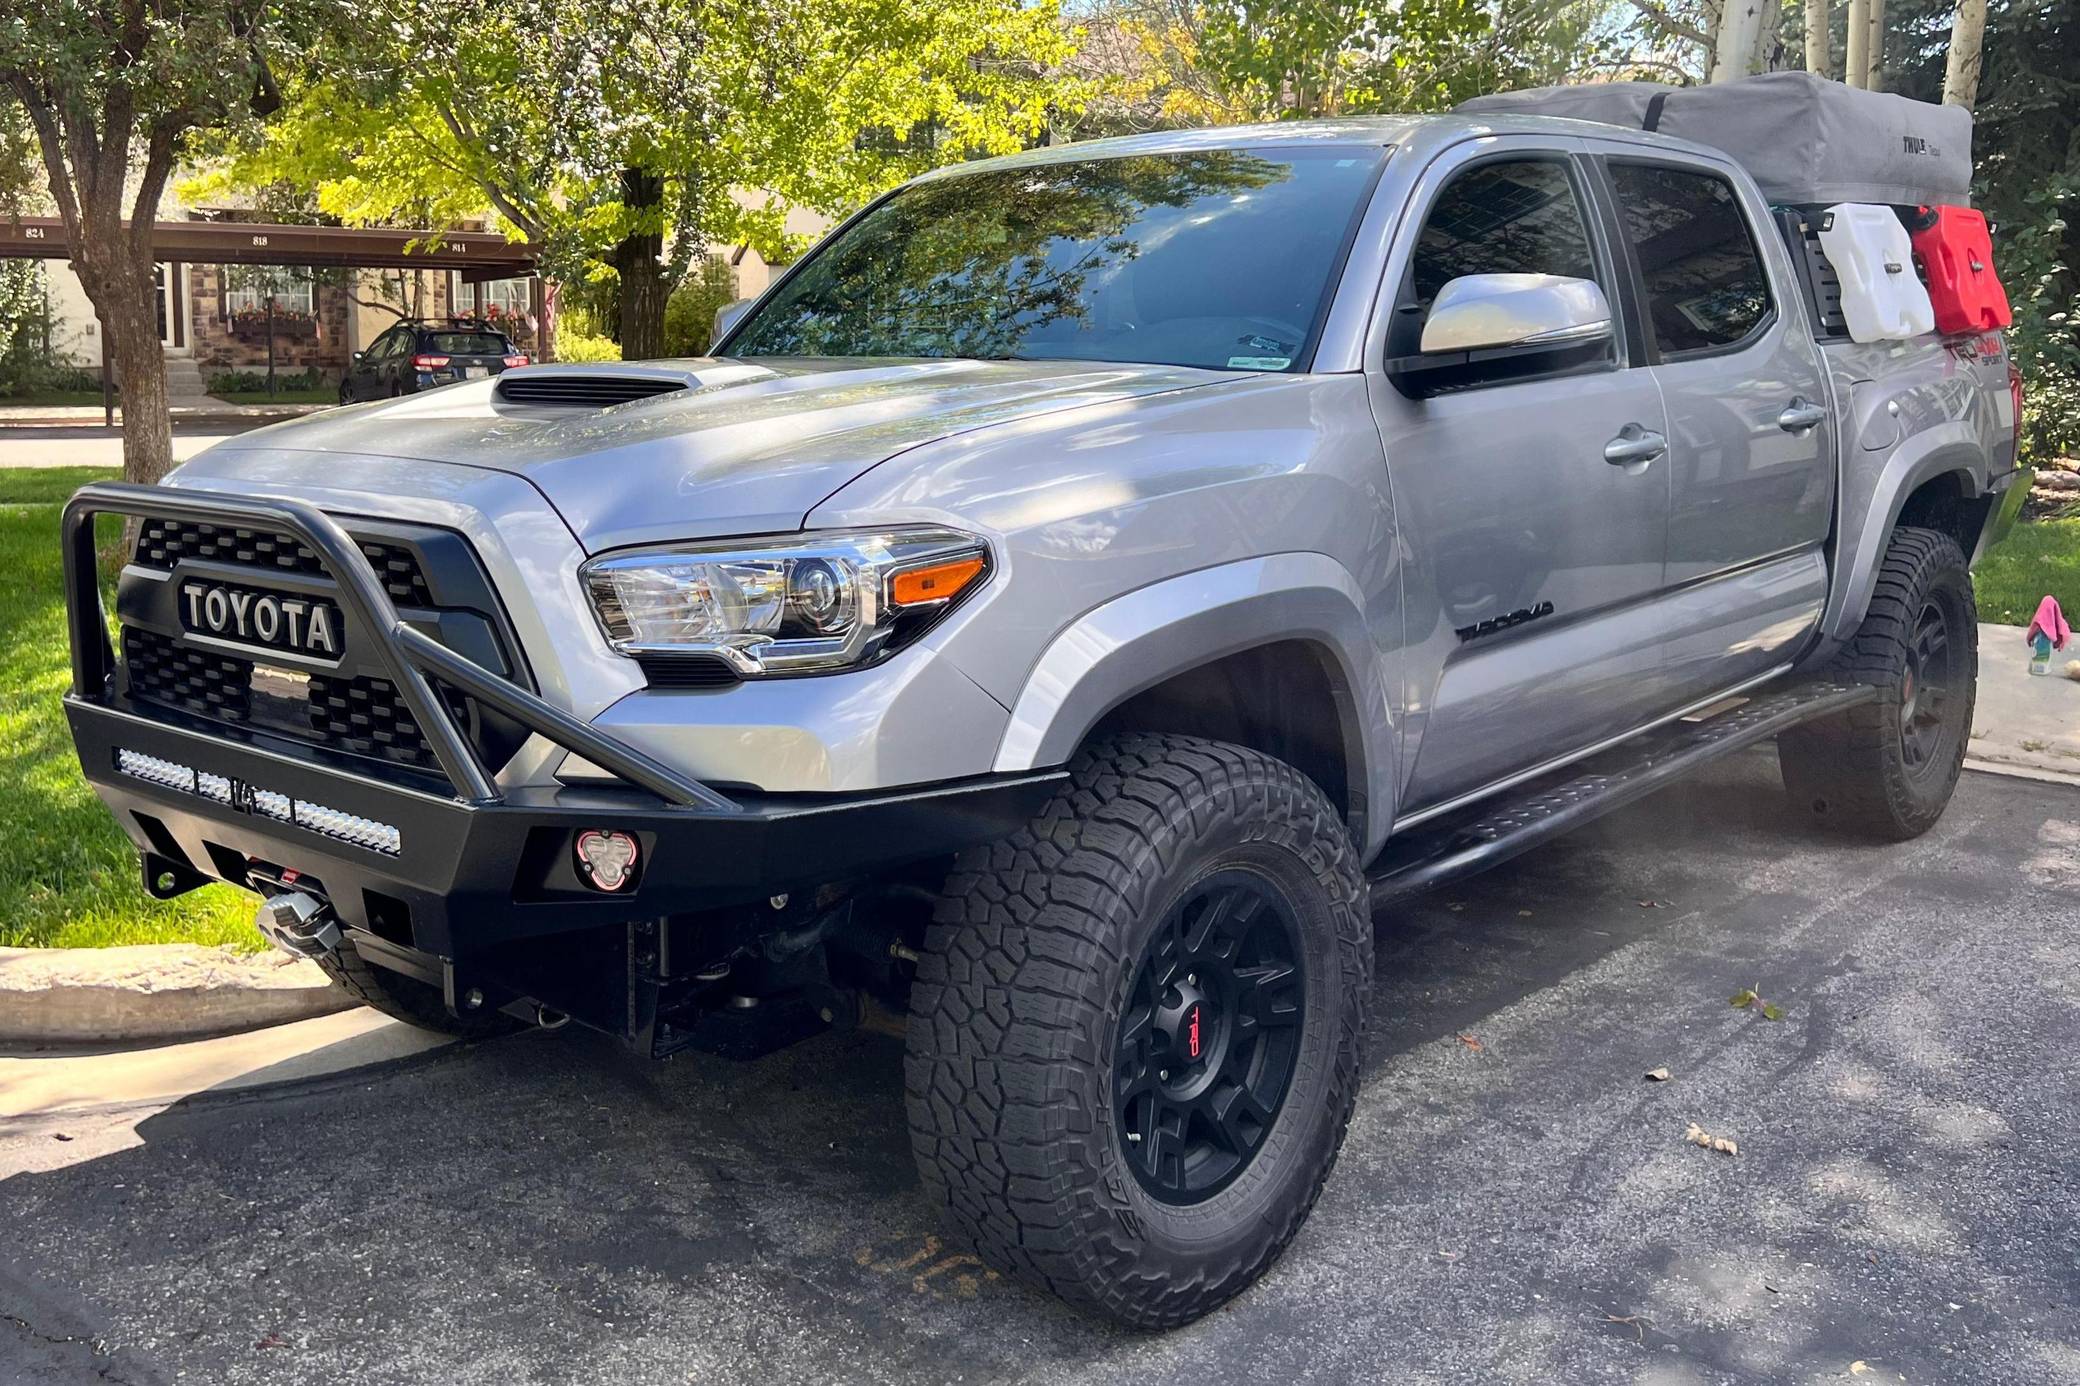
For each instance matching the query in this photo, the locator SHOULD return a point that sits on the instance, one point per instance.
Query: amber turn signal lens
(936, 583)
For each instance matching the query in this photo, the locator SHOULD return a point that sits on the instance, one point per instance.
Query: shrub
(572, 345)
(689, 314)
(250, 382)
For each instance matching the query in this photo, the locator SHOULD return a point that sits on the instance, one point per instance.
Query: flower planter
(254, 328)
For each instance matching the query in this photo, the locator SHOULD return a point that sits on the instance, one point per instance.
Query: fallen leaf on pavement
(1747, 999)
(1471, 1043)
(1657, 1075)
(1653, 904)
(1697, 1135)
(272, 1340)
(1859, 1367)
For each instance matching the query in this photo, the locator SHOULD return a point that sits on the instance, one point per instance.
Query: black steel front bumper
(452, 874)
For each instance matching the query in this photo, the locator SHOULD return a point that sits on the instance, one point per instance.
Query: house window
(246, 291)
(500, 300)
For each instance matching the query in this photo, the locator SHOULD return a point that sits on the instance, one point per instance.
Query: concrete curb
(153, 992)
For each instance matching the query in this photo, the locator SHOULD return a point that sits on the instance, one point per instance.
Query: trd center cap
(1188, 1025)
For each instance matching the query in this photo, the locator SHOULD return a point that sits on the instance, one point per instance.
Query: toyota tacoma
(1057, 614)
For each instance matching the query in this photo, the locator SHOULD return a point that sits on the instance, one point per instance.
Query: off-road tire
(1851, 770)
(407, 998)
(1022, 987)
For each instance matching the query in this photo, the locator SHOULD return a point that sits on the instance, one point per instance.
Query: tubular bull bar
(421, 878)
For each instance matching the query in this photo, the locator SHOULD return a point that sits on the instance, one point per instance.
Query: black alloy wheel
(1928, 692)
(1208, 1041)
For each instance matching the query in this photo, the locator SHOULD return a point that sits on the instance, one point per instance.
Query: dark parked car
(421, 355)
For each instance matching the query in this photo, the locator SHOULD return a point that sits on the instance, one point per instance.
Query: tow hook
(298, 923)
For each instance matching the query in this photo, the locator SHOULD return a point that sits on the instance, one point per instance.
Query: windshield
(1221, 258)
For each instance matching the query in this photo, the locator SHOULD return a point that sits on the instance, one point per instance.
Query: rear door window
(1704, 285)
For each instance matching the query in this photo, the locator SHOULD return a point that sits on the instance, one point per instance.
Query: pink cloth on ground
(2050, 620)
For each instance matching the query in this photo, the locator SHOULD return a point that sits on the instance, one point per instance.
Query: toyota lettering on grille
(269, 620)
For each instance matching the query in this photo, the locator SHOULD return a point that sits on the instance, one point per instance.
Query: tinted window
(1220, 258)
(1518, 217)
(1704, 278)
(467, 343)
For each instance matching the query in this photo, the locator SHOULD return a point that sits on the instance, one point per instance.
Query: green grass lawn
(43, 397)
(68, 876)
(2038, 558)
(323, 394)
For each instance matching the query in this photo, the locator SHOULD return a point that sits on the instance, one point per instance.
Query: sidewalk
(2024, 724)
(212, 411)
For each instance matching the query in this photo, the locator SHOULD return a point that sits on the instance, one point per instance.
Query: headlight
(798, 604)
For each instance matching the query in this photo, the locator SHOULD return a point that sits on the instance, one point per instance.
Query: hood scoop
(588, 387)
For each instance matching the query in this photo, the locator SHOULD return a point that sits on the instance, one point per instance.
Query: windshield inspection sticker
(1259, 363)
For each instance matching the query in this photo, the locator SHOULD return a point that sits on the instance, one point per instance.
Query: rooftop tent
(1805, 139)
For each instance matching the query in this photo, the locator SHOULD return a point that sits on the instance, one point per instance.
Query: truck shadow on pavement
(1513, 1202)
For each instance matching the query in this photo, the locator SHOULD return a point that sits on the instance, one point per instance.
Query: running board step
(1490, 833)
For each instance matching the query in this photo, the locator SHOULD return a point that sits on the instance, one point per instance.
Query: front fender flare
(1136, 641)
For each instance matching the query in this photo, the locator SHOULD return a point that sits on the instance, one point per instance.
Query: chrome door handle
(1800, 415)
(1634, 444)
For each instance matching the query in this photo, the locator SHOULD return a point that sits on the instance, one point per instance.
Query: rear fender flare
(1948, 448)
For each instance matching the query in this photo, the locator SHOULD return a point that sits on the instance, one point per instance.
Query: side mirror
(729, 315)
(357, 357)
(1485, 327)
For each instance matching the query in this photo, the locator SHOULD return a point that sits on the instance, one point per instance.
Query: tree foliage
(112, 91)
(606, 133)
(2026, 178)
(1197, 62)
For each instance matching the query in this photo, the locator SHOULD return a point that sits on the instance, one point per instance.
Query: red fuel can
(1956, 255)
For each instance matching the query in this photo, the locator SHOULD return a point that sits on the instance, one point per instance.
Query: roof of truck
(1434, 131)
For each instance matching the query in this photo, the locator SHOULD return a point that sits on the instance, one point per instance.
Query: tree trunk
(1967, 40)
(1739, 39)
(1856, 61)
(129, 313)
(1874, 48)
(1818, 61)
(641, 293)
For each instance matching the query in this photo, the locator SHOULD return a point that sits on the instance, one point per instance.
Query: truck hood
(743, 448)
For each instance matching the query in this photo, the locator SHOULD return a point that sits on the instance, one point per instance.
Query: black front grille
(353, 709)
(365, 716)
(198, 681)
(163, 543)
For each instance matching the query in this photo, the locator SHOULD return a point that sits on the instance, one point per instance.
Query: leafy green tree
(2026, 178)
(111, 90)
(619, 139)
(1198, 62)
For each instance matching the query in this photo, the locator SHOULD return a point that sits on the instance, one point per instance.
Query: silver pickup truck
(1062, 609)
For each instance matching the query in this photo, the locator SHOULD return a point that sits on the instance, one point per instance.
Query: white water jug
(1883, 299)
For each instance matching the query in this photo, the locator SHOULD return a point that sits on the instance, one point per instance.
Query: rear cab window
(467, 343)
(1703, 286)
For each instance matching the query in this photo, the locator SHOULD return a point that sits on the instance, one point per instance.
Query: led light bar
(336, 824)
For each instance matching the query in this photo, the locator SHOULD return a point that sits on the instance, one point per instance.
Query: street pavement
(1515, 1202)
(81, 445)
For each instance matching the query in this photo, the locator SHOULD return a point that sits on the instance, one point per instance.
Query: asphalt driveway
(1515, 1202)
